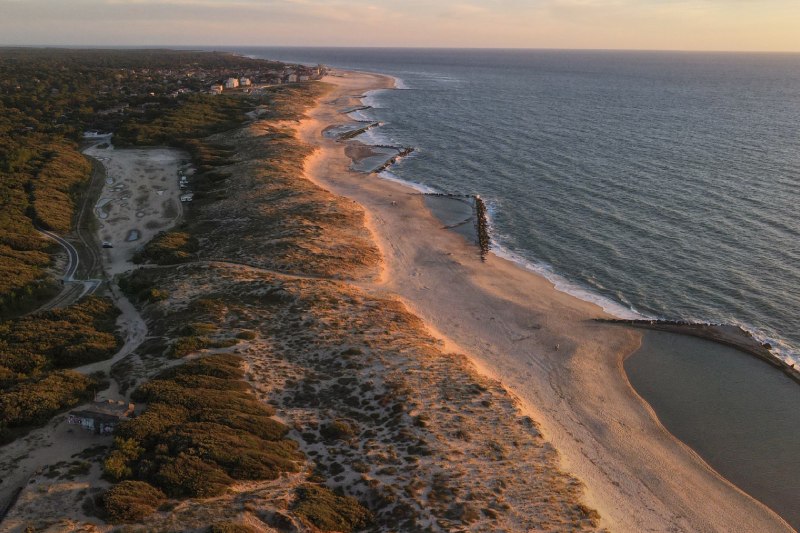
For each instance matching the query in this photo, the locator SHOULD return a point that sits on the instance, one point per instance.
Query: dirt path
(25, 461)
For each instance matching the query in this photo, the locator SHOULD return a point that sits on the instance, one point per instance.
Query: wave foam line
(419, 187)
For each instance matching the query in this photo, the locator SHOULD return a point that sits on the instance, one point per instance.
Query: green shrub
(117, 464)
(190, 476)
(262, 426)
(168, 248)
(337, 430)
(328, 511)
(35, 401)
(153, 295)
(131, 501)
(231, 527)
(184, 346)
(152, 423)
(202, 430)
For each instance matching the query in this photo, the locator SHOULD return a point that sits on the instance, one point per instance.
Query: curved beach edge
(726, 334)
(545, 346)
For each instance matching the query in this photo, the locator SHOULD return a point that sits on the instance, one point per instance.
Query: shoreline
(566, 371)
(743, 337)
(727, 335)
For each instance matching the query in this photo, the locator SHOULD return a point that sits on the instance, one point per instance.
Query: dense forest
(49, 97)
(36, 352)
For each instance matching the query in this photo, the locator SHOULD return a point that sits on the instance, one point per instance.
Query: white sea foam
(419, 187)
(561, 283)
(359, 115)
(399, 83)
(371, 98)
(374, 136)
(779, 348)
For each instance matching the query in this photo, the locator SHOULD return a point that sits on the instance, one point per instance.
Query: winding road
(75, 289)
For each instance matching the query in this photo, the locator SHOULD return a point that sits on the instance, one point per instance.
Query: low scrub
(168, 248)
(203, 430)
(131, 501)
(35, 352)
(184, 346)
(140, 285)
(231, 527)
(34, 401)
(329, 511)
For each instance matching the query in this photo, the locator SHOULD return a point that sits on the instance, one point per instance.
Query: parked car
(107, 244)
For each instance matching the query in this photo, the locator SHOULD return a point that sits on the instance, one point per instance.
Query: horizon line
(386, 47)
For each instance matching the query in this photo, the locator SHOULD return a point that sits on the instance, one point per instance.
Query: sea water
(658, 184)
(739, 414)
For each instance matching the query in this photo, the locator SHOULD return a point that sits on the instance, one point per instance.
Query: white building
(291, 78)
(245, 82)
(216, 89)
(231, 83)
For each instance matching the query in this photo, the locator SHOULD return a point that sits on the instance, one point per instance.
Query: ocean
(658, 184)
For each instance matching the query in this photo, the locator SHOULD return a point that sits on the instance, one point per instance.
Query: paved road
(72, 254)
(73, 290)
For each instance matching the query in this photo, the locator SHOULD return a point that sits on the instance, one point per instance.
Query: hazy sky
(630, 24)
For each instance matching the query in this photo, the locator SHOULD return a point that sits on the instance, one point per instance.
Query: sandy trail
(143, 192)
(541, 344)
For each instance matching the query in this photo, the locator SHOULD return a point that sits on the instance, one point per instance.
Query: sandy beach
(565, 370)
(474, 396)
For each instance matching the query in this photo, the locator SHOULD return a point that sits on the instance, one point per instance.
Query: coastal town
(256, 80)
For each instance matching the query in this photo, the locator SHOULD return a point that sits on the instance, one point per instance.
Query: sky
(732, 25)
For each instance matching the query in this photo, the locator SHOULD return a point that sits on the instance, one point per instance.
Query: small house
(231, 83)
(101, 417)
(216, 89)
(245, 82)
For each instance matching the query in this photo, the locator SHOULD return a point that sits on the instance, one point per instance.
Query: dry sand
(540, 343)
(140, 198)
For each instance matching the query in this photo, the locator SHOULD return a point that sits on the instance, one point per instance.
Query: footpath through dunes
(391, 432)
(539, 343)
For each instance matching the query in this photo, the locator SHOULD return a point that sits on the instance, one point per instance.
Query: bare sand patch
(140, 198)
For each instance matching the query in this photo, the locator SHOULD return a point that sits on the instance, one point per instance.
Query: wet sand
(738, 413)
(541, 344)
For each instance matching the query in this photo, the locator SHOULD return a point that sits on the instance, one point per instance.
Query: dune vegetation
(35, 353)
